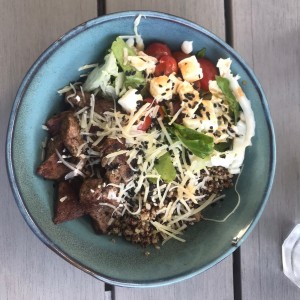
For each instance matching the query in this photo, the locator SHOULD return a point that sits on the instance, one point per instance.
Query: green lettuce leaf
(198, 143)
(101, 76)
(165, 168)
(222, 147)
(234, 106)
(133, 78)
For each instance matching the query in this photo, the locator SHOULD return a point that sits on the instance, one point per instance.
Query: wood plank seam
(228, 22)
(101, 7)
(237, 278)
(236, 257)
(109, 291)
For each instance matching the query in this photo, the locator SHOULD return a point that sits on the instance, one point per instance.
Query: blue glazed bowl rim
(11, 126)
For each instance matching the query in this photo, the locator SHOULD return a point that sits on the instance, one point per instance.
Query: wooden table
(267, 35)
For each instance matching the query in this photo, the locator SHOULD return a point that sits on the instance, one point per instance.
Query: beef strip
(54, 123)
(118, 169)
(101, 218)
(110, 145)
(79, 99)
(54, 143)
(69, 208)
(122, 172)
(51, 169)
(70, 132)
(92, 193)
(103, 105)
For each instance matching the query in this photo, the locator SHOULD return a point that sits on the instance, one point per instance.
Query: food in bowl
(148, 141)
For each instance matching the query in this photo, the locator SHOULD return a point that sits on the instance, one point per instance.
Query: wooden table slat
(267, 35)
(200, 12)
(29, 270)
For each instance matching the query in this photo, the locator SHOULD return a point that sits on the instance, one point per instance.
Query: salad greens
(165, 168)
(101, 76)
(222, 147)
(201, 53)
(198, 143)
(133, 77)
(234, 106)
(108, 78)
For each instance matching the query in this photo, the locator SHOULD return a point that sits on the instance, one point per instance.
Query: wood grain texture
(29, 270)
(267, 34)
(217, 283)
(209, 14)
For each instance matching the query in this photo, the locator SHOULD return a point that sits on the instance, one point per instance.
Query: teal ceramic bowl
(120, 262)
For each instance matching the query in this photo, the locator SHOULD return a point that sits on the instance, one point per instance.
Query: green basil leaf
(201, 53)
(234, 106)
(165, 168)
(222, 147)
(198, 143)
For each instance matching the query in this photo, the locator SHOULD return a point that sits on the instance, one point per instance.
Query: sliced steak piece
(109, 195)
(101, 219)
(118, 169)
(113, 176)
(103, 105)
(125, 172)
(122, 172)
(67, 206)
(54, 123)
(70, 132)
(92, 193)
(119, 174)
(51, 169)
(112, 145)
(53, 144)
(79, 99)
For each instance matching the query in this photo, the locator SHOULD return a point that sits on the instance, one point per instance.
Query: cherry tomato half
(148, 121)
(179, 55)
(167, 65)
(146, 124)
(158, 50)
(209, 72)
(176, 106)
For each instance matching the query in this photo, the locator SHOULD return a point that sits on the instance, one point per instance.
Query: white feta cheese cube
(189, 97)
(206, 122)
(209, 119)
(175, 82)
(161, 88)
(190, 69)
(129, 100)
(186, 92)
